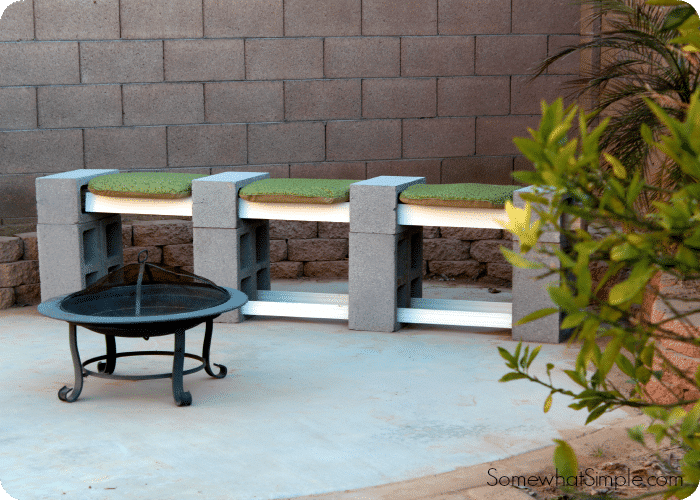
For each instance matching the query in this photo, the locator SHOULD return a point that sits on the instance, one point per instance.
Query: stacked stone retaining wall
(297, 249)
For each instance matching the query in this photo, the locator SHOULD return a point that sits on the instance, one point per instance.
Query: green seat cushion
(325, 191)
(160, 185)
(458, 195)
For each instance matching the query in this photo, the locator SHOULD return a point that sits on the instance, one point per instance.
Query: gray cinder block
(530, 293)
(385, 268)
(73, 256)
(373, 203)
(60, 197)
(215, 198)
(236, 257)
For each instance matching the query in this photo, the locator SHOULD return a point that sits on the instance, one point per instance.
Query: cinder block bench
(80, 240)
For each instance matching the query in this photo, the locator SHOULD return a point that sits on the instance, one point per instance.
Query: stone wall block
(155, 254)
(408, 17)
(178, 255)
(7, 297)
(317, 249)
(163, 103)
(509, 55)
(40, 150)
(431, 232)
(126, 148)
(79, 106)
(363, 140)
(127, 235)
(162, 232)
(489, 250)
(503, 270)
(286, 142)
(436, 137)
(437, 56)
(474, 95)
(333, 230)
(494, 134)
(29, 241)
(244, 102)
(278, 250)
(27, 295)
(322, 18)
(11, 249)
(161, 19)
(17, 22)
(478, 169)
(205, 144)
(71, 20)
(444, 249)
(121, 61)
(256, 18)
(203, 60)
(39, 63)
(22, 272)
(295, 229)
(399, 98)
(284, 58)
(17, 107)
(470, 269)
(286, 270)
(322, 99)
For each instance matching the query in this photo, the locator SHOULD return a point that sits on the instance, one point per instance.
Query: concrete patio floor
(307, 407)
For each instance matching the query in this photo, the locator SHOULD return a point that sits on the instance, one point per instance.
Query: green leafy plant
(640, 56)
(666, 240)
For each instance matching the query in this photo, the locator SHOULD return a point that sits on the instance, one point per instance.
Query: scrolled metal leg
(205, 353)
(77, 368)
(108, 367)
(182, 398)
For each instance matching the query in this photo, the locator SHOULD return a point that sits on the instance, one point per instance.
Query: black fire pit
(143, 300)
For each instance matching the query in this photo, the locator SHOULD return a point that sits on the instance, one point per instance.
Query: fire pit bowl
(143, 300)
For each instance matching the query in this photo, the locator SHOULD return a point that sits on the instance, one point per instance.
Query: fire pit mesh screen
(145, 289)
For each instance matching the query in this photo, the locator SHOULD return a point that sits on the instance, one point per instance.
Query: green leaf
(677, 16)
(612, 349)
(512, 376)
(625, 365)
(636, 434)
(565, 459)
(534, 354)
(596, 413)
(537, 315)
(618, 168)
(519, 261)
(630, 288)
(573, 320)
(548, 403)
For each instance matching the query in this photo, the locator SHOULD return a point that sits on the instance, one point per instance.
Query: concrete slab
(308, 407)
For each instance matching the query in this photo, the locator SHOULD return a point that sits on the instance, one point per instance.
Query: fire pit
(143, 300)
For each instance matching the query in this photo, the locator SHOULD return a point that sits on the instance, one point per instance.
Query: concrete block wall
(297, 88)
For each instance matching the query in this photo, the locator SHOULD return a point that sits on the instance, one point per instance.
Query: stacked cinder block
(76, 248)
(298, 88)
(19, 270)
(386, 269)
(228, 250)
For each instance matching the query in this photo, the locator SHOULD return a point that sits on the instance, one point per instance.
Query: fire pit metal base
(106, 368)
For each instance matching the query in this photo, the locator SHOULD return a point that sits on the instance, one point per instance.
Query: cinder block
(494, 134)
(17, 22)
(430, 169)
(215, 199)
(362, 57)
(322, 99)
(284, 58)
(59, 197)
(244, 102)
(399, 98)
(466, 17)
(408, 17)
(122, 61)
(39, 63)
(436, 137)
(474, 96)
(163, 103)
(373, 203)
(74, 256)
(509, 55)
(243, 18)
(385, 272)
(530, 294)
(79, 106)
(200, 60)
(322, 18)
(363, 140)
(238, 258)
(76, 20)
(536, 17)
(40, 150)
(126, 148)
(17, 107)
(18, 198)
(161, 19)
(194, 145)
(437, 56)
(526, 95)
(329, 170)
(276, 171)
(478, 169)
(279, 142)
(568, 65)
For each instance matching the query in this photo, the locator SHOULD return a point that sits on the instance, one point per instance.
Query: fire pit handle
(143, 252)
(139, 282)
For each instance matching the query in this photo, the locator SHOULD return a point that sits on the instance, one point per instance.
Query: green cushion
(144, 185)
(459, 195)
(297, 191)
